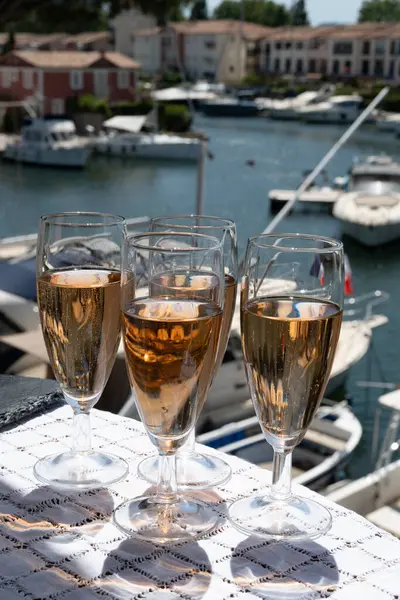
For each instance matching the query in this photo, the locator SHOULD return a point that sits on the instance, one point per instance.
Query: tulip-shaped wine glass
(79, 291)
(172, 302)
(197, 470)
(289, 340)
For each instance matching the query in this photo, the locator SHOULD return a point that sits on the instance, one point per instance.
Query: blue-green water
(281, 151)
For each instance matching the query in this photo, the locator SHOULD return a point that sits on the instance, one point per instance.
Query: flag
(348, 278)
(317, 270)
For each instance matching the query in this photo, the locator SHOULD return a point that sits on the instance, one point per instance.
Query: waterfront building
(370, 50)
(125, 25)
(222, 50)
(47, 78)
(34, 41)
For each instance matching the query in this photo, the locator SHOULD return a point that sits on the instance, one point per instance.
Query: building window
(299, 66)
(267, 48)
(123, 79)
(365, 68)
(366, 49)
(336, 67)
(316, 43)
(393, 48)
(7, 78)
(76, 80)
(299, 46)
(312, 66)
(343, 48)
(288, 45)
(378, 68)
(391, 70)
(380, 47)
(277, 65)
(27, 78)
(323, 66)
(288, 65)
(347, 67)
(231, 69)
(210, 45)
(57, 106)
(278, 46)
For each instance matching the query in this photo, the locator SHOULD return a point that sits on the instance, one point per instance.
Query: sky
(324, 11)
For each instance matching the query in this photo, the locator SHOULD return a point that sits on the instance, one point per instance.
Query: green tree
(299, 14)
(263, 12)
(10, 43)
(163, 10)
(379, 10)
(199, 11)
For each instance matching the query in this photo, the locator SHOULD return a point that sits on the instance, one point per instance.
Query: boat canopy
(127, 124)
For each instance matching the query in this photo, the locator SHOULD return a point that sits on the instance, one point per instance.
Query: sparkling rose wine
(289, 346)
(170, 346)
(80, 315)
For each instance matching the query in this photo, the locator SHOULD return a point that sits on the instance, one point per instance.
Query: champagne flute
(197, 470)
(172, 302)
(289, 340)
(79, 291)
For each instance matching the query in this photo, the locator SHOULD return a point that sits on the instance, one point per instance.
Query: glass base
(71, 470)
(297, 519)
(193, 471)
(149, 519)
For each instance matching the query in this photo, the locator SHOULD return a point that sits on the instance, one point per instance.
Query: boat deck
(322, 198)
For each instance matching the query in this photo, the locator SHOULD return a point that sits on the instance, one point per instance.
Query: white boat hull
(369, 235)
(168, 150)
(289, 114)
(49, 157)
(329, 118)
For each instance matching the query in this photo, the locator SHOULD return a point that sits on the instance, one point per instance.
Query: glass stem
(189, 447)
(81, 434)
(167, 486)
(282, 476)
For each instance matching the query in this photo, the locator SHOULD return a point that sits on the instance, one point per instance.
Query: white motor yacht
(122, 136)
(370, 211)
(389, 122)
(288, 109)
(377, 495)
(49, 142)
(336, 110)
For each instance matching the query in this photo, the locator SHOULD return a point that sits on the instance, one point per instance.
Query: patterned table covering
(56, 545)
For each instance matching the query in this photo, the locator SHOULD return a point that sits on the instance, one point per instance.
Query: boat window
(54, 137)
(350, 104)
(377, 184)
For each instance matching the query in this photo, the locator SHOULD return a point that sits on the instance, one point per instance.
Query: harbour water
(279, 153)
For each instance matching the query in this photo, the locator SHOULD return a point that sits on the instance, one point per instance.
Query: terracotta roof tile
(86, 37)
(70, 59)
(209, 27)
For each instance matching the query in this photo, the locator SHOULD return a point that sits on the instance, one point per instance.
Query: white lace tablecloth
(56, 545)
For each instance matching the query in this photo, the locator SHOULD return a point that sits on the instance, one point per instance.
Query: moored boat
(328, 444)
(230, 107)
(49, 142)
(337, 110)
(370, 211)
(122, 136)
